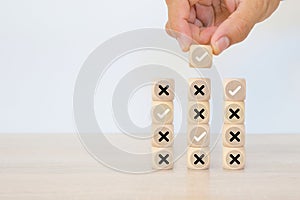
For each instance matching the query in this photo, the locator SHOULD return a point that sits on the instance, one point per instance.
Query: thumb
(234, 29)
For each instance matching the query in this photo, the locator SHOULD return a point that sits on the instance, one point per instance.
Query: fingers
(178, 24)
(234, 29)
(202, 35)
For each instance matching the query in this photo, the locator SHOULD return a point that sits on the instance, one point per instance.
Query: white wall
(43, 44)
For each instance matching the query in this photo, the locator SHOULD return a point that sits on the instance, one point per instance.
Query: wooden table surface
(56, 166)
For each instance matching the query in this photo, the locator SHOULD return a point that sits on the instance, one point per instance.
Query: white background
(43, 44)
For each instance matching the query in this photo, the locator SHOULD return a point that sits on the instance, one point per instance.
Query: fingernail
(221, 44)
(184, 43)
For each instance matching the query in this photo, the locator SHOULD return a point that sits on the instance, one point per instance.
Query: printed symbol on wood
(200, 56)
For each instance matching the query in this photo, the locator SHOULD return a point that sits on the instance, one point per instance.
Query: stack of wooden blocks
(233, 133)
(162, 124)
(198, 124)
(198, 133)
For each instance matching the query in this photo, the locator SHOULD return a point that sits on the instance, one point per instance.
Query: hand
(219, 23)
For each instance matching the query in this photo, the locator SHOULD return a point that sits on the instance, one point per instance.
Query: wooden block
(233, 135)
(200, 56)
(163, 90)
(198, 158)
(198, 135)
(162, 112)
(198, 112)
(233, 158)
(162, 135)
(199, 89)
(162, 158)
(235, 89)
(234, 112)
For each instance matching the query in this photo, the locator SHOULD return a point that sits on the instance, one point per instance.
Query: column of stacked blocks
(199, 91)
(198, 124)
(233, 132)
(162, 124)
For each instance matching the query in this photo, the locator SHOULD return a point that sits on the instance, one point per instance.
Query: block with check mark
(199, 89)
(235, 89)
(198, 135)
(234, 112)
(162, 112)
(200, 56)
(233, 158)
(162, 158)
(198, 112)
(162, 135)
(233, 135)
(163, 90)
(198, 158)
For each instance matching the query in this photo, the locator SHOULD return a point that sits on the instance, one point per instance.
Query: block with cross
(233, 158)
(163, 90)
(235, 89)
(199, 89)
(234, 112)
(163, 135)
(198, 112)
(233, 135)
(200, 56)
(198, 135)
(198, 158)
(162, 158)
(162, 112)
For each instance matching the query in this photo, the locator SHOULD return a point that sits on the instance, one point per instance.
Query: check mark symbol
(200, 137)
(199, 59)
(162, 115)
(234, 92)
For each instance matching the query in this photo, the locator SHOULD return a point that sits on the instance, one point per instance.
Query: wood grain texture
(34, 167)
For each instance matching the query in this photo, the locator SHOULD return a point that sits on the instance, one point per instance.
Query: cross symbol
(163, 159)
(235, 136)
(163, 90)
(199, 159)
(199, 90)
(199, 113)
(235, 159)
(163, 136)
(234, 113)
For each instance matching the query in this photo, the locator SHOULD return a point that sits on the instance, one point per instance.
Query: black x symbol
(235, 136)
(199, 90)
(235, 159)
(163, 159)
(163, 90)
(163, 136)
(234, 113)
(199, 113)
(199, 159)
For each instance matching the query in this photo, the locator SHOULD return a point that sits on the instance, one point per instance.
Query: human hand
(219, 23)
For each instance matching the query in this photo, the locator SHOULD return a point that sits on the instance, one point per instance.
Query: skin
(219, 23)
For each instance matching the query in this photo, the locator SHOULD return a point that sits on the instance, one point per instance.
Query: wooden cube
(233, 135)
(162, 135)
(233, 158)
(235, 89)
(198, 112)
(198, 158)
(199, 89)
(162, 158)
(234, 112)
(198, 135)
(162, 112)
(200, 56)
(163, 90)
